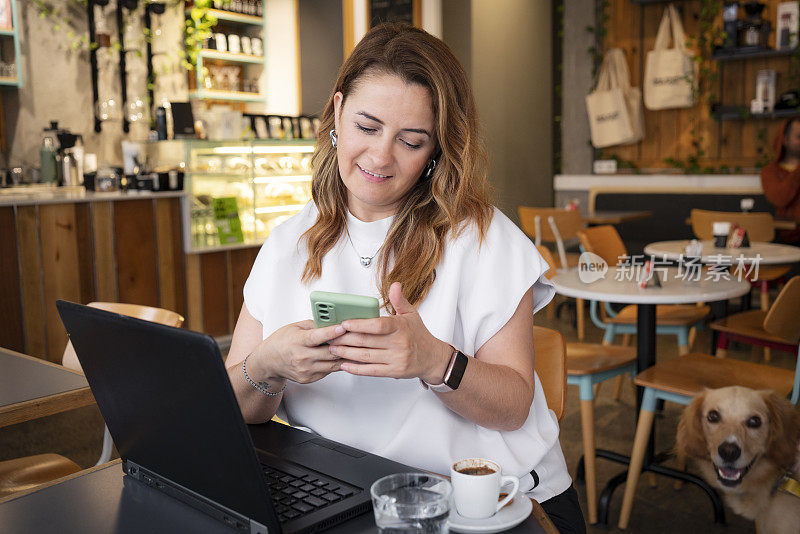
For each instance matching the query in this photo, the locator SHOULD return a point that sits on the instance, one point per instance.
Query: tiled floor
(662, 509)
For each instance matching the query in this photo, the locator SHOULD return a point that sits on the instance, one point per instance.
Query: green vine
(197, 28)
(600, 31)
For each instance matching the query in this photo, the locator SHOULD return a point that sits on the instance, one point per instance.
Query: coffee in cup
(476, 487)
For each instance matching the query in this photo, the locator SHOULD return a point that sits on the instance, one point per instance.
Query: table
(616, 217)
(771, 253)
(31, 388)
(101, 500)
(673, 291)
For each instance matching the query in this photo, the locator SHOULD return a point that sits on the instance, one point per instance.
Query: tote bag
(614, 107)
(670, 74)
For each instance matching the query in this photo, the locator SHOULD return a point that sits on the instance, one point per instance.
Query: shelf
(238, 18)
(13, 82)
(234, 96)
(279, 209)
(260, 180)
(228, 56)
(732, 113)
(643, 2)
(233, 246)
(749, 53)
(7, 31)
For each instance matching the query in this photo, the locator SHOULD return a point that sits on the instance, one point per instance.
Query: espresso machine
(62, 156)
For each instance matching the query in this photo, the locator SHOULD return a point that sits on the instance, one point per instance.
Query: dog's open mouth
(732, 476)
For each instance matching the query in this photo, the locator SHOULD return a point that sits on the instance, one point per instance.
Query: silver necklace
(366, 261)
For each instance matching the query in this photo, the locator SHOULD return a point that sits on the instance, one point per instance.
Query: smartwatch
(453, 374)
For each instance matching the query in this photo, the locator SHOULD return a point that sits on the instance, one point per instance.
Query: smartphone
(333, 308)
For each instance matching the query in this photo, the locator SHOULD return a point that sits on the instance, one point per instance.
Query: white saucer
(509, 516)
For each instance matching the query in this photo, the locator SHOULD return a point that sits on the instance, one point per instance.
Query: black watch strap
(456, 369)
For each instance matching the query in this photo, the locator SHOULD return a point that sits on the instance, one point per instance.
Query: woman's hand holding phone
(397, 346)
(297, 352)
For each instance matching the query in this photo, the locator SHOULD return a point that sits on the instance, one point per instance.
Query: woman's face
(385, 140)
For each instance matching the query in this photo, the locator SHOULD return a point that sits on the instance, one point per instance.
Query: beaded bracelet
(260, 386)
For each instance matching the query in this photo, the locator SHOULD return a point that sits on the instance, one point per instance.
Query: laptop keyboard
(295, 495)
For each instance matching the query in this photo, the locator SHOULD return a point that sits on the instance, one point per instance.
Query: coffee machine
(61, 156)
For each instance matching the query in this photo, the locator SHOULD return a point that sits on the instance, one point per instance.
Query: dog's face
(734, 427)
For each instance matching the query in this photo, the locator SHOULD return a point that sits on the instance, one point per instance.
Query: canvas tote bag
(670, 74)
(614, 107)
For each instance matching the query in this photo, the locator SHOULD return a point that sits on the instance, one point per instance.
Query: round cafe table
(673, 290)
(767, 253)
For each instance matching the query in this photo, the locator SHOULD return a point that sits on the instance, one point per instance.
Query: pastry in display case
(270, 180)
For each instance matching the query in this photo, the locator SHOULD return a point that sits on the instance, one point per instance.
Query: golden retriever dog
(745, 441)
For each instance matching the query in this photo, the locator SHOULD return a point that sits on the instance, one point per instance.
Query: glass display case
(270, 180)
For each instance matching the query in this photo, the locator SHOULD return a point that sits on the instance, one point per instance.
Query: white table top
(771, 253)
(673, 289)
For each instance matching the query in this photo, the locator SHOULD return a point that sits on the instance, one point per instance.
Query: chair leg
(618, 387)
(764, 295)
(722, 345)
(626, 340)
(550, 311)
(767, 354)
(596, 389)
(108, 447)
(683, 341)
(587, 427)
(681, 461)
(579, 312)
(635, 468)
(683, 349)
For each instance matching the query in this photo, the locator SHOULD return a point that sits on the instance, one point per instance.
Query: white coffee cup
(476, 495)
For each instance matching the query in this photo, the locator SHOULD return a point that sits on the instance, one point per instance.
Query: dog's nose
(729, 451)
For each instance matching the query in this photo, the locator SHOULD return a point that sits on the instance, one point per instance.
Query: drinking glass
(411, 503)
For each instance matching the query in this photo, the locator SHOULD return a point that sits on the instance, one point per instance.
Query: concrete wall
(320, 52)
(576, 153)
(512, 78)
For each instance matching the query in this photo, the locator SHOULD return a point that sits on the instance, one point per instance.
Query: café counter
(67, 243)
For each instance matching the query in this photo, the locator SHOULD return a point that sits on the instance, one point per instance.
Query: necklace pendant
(365, 261)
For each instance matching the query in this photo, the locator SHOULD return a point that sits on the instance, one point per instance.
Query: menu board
(226, 219)
(391, 11)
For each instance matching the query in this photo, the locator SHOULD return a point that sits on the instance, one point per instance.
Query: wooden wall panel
(31, 281)
(668, 133)
(83, 235)
(11, 333)
(60, 270)
(104, 256)
(213, 273)
(194, 293)
(170, 255)
(137, 267)
(241, 262)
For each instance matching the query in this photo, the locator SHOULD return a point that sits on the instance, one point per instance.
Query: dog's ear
(691, 440)
(784, 430)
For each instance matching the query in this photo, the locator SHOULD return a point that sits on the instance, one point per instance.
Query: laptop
(168, 403)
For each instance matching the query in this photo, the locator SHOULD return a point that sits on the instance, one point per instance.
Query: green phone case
(333, 308)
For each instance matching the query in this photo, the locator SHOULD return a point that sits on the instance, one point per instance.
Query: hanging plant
(197, 28)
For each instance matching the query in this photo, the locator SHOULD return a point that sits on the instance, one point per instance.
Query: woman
(401, 212)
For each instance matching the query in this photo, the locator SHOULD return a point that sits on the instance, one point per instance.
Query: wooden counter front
(125, 250)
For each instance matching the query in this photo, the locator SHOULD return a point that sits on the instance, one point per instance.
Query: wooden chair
(589, 364)
(555, 225)
(680, 379)
(27, 472)
(550, 365)
(671, 319)
(759, 226)
(751, 326)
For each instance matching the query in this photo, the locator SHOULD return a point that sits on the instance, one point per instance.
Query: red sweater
(782, 189)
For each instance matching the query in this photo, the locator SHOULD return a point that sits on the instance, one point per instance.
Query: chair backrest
(782, 318)
(567, 221)
(548, 257)
(604, 241)
(759, 226)
(147, 313)
(550, 362)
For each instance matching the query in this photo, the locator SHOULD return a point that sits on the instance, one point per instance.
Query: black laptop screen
(168, 403)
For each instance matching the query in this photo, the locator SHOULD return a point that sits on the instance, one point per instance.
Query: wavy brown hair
(434, 208)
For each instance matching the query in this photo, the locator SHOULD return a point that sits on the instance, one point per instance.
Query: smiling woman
(401, 213)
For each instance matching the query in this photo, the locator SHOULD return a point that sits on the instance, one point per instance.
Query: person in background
(401, 212)
(780, 180)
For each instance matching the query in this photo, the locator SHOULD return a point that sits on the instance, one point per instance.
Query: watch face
(453, 380)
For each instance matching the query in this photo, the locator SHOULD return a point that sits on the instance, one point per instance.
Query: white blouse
(475, 293)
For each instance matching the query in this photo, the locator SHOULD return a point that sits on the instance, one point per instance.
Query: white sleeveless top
(475, 293)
